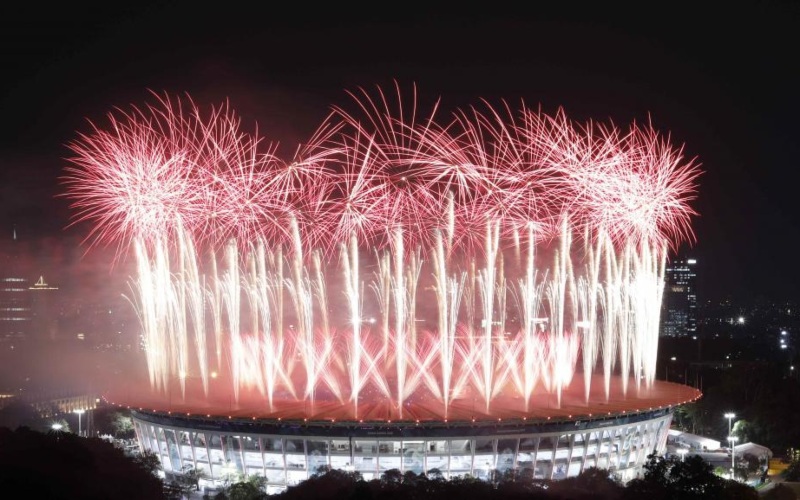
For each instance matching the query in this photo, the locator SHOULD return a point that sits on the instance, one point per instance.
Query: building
(15, 299)
(544, 442)
(286, 453)
(679, 307)
(692, 441)
(757, 450)
(44, 315)
(27, 311)
(15, 309)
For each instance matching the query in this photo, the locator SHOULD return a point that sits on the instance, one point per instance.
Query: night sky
(724, 82)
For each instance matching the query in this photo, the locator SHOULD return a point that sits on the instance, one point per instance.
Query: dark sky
(722, 80)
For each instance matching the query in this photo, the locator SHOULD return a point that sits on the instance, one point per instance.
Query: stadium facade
(286, 452)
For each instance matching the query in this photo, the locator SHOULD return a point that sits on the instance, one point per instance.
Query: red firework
(372, 172)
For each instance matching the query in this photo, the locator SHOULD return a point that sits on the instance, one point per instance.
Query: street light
(730, 417)
(682, 452)
(57, 427)
(733, 439)
(79, 412)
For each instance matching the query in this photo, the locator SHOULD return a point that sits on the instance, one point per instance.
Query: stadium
(471, 295)
(617, 436)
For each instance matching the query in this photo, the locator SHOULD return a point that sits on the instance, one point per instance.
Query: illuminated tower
(43, 316)
(15, 307)
(679, 313)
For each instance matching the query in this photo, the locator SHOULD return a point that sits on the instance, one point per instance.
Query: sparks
(492, 251)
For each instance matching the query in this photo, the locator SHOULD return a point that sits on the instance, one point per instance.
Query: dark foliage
(19, 413)
(764, 399)
(792, 472)
(64, 466)
(592, 484)
(245, 491)
(779, 492)
(114, 421)
(692, 478)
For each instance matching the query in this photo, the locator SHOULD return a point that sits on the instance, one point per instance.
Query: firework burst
(397, 253)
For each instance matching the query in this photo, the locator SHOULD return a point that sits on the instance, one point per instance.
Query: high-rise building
(15, 310)
(679, 310)
(15, 307)
(44, 314)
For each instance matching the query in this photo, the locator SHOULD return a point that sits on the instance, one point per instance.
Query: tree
(46, 465)
(779, 492)
(743, 430)
(122, 425)
(750, 462)
(177, 490)
(740, 472)
(722, 471)
(245, 490)
(321, 470)
(392, 476)
(191, 478)
(413, 479)
(334, 484)
(792, 472)
(692, 416)
(691, 478)
(259, 482)
(435, 475)
(683, 416)
(736, 490)
(20, 414)
(148, 461)
(592, 482)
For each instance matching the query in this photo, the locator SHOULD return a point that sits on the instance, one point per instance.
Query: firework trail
(397, 253)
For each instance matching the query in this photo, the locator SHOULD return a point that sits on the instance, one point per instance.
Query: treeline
(663, 478)
(764, 398)
(61, 465)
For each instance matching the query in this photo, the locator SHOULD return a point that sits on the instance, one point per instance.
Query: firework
(396, 254)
